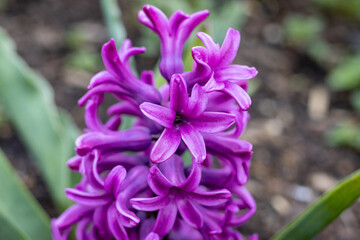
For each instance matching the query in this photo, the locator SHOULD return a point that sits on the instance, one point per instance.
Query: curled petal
(155, 19)
(212, 122)
(212, 47)
(173, 170)
(88, 199)
(101, 89)
(115, 226)
(178, 94)
(229, 47)
(239, 94)
(71, 215)
(74, 163)
(235, 73)
(114, 180)
(194, 141)
(158, 182)
(102, 78)
(212, 198)
(128, 140)
(165, 220)
(162, 115)
(148, 77)
(126, 51)
(197, 103)
(202, 71)
(189, 212)
(150, 204)
(166, 145)
(152, 236)
(193, 180)
(128, 218)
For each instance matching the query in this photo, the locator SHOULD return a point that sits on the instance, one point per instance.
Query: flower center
(178, 118)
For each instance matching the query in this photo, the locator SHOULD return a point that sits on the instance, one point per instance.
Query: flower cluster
(135, 184)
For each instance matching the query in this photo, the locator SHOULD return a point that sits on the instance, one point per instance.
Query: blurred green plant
(345, 134)
(348, 8)
(346, 76)
(48, 133)
(323, 211)
(21, 216)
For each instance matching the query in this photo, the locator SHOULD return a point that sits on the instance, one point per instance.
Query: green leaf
(10, 232)
(346, 76)
(326, 209)
(21, 217)
(112, 15)
(29, 102)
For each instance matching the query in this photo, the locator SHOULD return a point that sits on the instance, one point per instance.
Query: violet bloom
(105, 212)
(134, 185)
(175, 193)
(173, 34)
(231, 79)
(184, 119)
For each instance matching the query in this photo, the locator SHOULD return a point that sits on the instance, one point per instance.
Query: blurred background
(305, 114)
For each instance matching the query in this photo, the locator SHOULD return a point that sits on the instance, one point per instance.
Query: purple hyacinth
(137, 183)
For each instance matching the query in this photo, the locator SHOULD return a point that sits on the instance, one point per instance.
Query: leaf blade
(326, 209)
(29, 102)
(18, 208)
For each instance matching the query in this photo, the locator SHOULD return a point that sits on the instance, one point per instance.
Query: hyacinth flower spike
(175, 193)
(184, 119)
(231, 79)
(173, 34)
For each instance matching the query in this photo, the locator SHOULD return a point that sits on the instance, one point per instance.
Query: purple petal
(162, 115)
(173, 170)
(114, 180)
(197, 102)
(116, 228)
(178, 94)
(235, 73)
(165, 220)
(166, 145)
(212, 48)
(91, 170)
(193, 180)
(212, 198)
(239, 94)
(229, 47)
(202, 71)
(81, 229)
(155, 19)
(74, 163)
(158, 183)
(102, 78)
(128, 140)
(213, 85)
(150, 204)
(127, 51)
(189, 212)
(88, 199)
(128, 218)
(148, 77)
(101, 89)
(176, 19)
(125, 107)
(152, 236)
(189, 25)
(194, 141)
(212, 122)
(72, 215)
